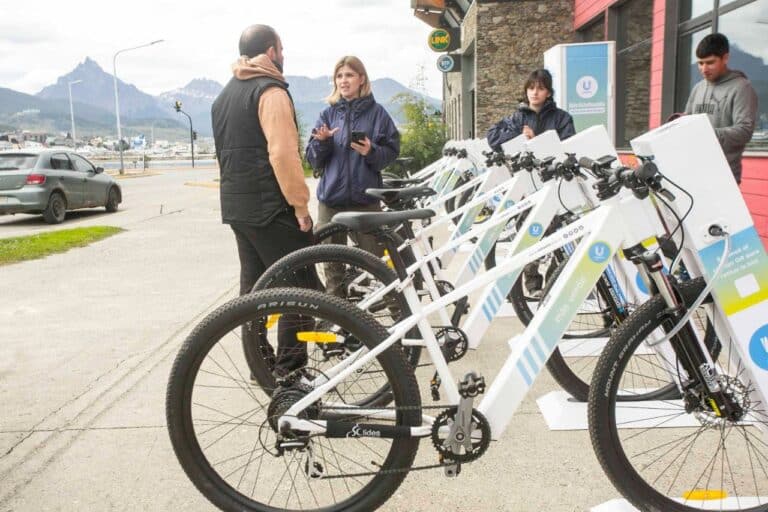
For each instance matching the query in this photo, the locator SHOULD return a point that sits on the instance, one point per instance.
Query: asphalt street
(87, 339)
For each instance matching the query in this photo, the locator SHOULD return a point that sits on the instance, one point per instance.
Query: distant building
(139, 142)
(39, 137)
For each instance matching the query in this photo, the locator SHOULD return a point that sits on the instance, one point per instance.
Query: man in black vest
(264, 198)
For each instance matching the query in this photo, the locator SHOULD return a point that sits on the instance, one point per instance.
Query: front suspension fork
(691, 350)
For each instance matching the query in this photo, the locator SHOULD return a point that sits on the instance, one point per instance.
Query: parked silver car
(52, 181)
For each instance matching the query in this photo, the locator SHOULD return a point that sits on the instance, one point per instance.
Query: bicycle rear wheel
(675, 455)
(224, 429)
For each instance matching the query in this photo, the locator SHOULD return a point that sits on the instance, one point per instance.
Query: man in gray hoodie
(727, 97)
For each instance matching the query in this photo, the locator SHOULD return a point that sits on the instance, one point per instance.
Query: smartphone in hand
(357, 137)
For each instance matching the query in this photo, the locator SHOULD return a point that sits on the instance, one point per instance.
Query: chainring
(479, 444)
(453, 342)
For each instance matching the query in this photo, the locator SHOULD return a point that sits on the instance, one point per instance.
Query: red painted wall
(754, 187)
(657, 62)
(586, 10)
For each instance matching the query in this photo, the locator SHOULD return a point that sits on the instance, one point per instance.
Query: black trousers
(259, 247)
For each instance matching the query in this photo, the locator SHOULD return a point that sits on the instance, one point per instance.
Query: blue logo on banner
(599, 252)
(641, 285)
(536, 229)
(758, 347)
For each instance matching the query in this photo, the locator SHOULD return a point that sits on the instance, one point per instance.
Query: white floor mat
(561, 412)
(622, 505)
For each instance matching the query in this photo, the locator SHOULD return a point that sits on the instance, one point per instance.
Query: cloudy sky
(45, 39)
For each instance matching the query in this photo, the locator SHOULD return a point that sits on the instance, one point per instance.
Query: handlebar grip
(624, 175)
(646, 171)
(586, 162)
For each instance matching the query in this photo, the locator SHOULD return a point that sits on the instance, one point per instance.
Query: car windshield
(12, 162)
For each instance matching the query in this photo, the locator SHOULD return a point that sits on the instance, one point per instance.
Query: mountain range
(94, 104)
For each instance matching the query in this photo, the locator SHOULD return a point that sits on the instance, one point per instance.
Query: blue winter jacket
(549, 118)
(346, 173)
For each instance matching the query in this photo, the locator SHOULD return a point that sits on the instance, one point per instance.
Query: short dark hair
(712, 44)
(540, 76)
(257, 39)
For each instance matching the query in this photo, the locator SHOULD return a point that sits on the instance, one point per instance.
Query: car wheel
(56, 210)
(113, 199)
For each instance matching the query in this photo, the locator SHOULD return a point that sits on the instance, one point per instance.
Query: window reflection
(747, 31)
(690, 9)
(687, 69)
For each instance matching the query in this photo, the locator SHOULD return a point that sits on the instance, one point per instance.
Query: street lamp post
(72, 110)
(117, 101)
(177, 106)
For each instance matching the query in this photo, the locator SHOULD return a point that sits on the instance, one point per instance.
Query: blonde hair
(357, 66)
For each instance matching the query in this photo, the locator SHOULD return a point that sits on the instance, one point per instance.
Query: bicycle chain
(389, 471)
(394, 470)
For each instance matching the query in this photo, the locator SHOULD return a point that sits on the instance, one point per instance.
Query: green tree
(302, 144)
(423, 134)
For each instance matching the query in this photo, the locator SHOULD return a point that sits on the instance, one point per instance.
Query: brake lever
(667, 194)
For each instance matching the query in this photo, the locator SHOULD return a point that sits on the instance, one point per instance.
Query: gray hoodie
(731, 105)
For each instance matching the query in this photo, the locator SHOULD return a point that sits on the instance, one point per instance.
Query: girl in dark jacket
(532, 118)
(538, 114)
(350, 164)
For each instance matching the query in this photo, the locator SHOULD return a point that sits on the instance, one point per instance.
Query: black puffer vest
(249, 190)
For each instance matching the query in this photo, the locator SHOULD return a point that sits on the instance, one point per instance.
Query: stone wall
(456, 102)
(510, 42)
(633, 70)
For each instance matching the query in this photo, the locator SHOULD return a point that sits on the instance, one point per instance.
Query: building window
(745, 23)
(687, 69)
(593, 32)
(633, 69)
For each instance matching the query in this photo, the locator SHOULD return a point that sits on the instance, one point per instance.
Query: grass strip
(24, 248)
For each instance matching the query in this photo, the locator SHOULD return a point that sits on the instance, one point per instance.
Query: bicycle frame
(593, 142)
(599, 230)
(545, 206)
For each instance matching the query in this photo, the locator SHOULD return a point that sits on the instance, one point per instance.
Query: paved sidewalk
(83, 328)
(88, 338)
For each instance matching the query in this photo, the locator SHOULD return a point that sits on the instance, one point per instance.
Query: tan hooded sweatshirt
(277, 119)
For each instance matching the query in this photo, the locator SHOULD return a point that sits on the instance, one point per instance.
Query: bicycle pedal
(472, 385)
(453, 470)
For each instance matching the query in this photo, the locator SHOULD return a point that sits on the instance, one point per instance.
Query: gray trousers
(334, 273)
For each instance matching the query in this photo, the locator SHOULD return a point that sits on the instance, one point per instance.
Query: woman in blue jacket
(348, 164)
(536, 115)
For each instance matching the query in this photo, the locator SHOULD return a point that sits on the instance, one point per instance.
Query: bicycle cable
(680, 222)
(560, 197)
(672, 234)
(708, 288)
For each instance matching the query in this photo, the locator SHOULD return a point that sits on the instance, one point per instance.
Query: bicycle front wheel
(224, 429)
(675, 454)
